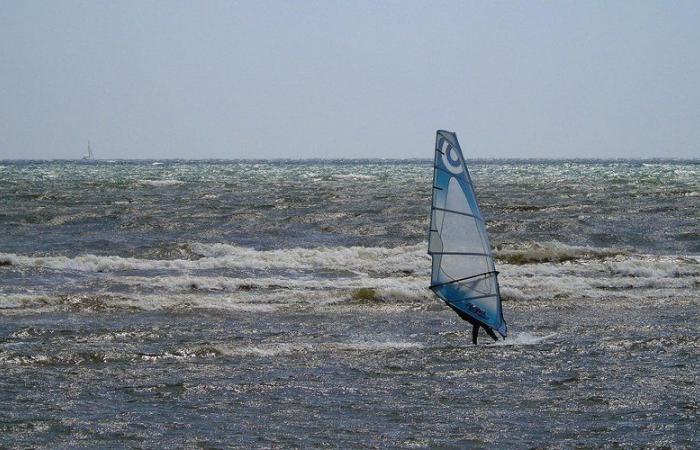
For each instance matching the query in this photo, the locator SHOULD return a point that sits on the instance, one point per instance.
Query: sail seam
(458, 212)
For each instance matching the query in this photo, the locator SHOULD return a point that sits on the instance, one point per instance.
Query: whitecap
(552, 251)
(161, 183)
(354, 177)
(523, 339)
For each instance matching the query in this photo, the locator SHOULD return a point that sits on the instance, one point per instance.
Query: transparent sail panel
(463, 271)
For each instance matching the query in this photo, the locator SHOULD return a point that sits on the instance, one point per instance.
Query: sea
(285, 304)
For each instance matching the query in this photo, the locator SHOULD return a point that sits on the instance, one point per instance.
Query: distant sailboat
(89, 156)
(463, 273)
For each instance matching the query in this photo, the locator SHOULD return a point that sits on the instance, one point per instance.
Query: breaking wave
(537, 252)
(406, 259)
(224, 276)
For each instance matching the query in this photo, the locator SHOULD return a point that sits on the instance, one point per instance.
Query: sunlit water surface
(283, 304)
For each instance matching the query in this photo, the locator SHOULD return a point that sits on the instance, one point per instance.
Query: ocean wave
(656, 343)
(220, 283)
(188, 352)
(82, 358)
(71, 218)
(537, 252)
(280, 348)
(405, 259)
(515, 284)
(593, 280)
(17, 304)
(401, 260)
(655, 267)
(265, 280)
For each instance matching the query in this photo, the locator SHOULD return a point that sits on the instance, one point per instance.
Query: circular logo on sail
(452, 160)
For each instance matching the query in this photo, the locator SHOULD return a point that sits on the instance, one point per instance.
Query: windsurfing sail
(463, 272)
(89, 154)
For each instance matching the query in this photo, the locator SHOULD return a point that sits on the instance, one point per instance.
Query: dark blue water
(280, 304)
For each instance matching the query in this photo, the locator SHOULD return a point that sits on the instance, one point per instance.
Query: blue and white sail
(463, 273)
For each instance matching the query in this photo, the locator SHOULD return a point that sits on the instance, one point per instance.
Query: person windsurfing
(475, 326)
(463, 272)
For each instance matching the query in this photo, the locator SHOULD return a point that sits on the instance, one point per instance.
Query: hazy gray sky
(348, 79)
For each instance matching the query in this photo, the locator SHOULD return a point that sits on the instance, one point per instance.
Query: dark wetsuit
(476, 324)
(475, 331)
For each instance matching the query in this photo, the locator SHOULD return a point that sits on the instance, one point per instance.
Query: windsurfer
(463, 272)
(475, 324)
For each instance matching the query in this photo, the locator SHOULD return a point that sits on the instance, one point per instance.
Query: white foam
(17, 303)
(241, 303)
(61, 220)
(14, 301)
(274, 349)
(409, 258)
(406, 259)
(397, 274)
(283, 348)
(377, 345)
(523, 339)
(551, 251)
(161, 183)
(655, 267)
(385, 287)
(353, 177)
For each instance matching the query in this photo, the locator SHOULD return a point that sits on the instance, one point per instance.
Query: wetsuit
(475, 332)
(476, 324)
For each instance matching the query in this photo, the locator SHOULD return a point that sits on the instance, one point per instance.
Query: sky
(349, 79)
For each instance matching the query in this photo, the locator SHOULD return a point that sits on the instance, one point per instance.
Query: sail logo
(452, 159)
(476, 310)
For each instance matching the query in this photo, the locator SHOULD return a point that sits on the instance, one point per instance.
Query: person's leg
(490, 332)
(475, 333)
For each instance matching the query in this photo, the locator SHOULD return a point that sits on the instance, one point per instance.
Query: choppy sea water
(285, 304)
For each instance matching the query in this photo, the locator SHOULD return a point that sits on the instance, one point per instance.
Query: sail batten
(495, 272)
(460, 253)
(463, 271)
(454, 212)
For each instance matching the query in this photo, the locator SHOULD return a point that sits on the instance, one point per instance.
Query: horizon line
(653, 158)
